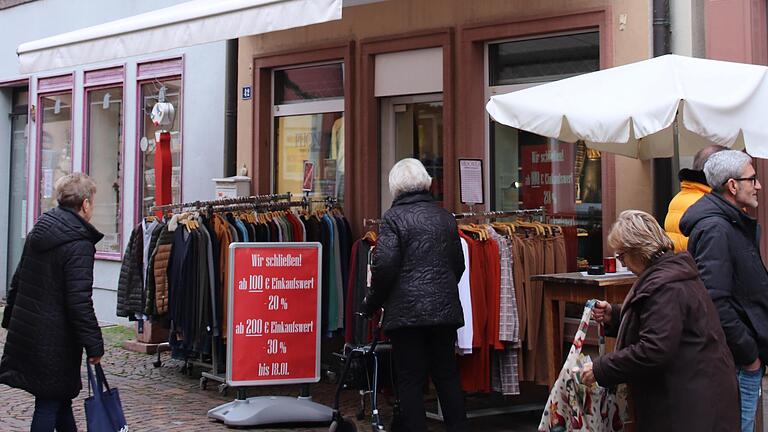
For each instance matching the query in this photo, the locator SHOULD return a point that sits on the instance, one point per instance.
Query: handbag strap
(101, 376)
(580, 335)
(94, 384)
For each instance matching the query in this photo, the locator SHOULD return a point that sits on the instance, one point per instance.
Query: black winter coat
(130, 286)
(724, 241)
(672, 352)
(50, 316)
(417, 264)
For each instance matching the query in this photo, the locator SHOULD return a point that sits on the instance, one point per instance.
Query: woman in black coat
(49, 315)
(417, 264)
(670, 347)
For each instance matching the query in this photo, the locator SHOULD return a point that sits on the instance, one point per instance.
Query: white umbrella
(634, 110)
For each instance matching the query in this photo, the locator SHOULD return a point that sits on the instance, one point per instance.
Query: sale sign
(548, 181)
(274, 313)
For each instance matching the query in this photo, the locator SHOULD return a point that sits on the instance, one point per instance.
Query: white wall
(687, 17)
(202, 112)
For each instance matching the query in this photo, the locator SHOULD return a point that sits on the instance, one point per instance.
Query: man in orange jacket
(693, 185)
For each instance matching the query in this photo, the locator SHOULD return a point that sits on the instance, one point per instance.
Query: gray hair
(73, 189)
(408, 175)
(703, 155)
(724, 165)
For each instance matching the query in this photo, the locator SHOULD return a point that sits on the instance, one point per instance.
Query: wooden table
(575, 288)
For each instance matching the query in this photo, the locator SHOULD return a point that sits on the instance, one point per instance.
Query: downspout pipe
(663, 169)
(230, 109)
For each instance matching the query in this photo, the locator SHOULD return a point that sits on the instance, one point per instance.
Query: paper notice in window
(47, 183)
(471, 179)
(309, 176)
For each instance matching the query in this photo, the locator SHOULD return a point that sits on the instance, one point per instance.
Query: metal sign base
(263, 410)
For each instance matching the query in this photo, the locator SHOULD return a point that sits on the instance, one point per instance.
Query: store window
(55, 143)
(530, 171)
(152, 92)
(309, 130)
(104, 144)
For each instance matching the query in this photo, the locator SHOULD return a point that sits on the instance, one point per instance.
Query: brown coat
(157, 290)
(671, 350)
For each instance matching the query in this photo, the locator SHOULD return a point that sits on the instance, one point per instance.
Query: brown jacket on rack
(224, 237)
(157, 280)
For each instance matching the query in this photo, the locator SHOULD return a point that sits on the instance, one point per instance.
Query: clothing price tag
(274, 313)
(471, 180)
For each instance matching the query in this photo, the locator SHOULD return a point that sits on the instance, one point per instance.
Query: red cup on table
(610, 264)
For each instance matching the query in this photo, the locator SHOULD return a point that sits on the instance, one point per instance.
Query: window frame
(106, 78)
(323, 106)
(489, 90)
(51, 86)
(147, 72)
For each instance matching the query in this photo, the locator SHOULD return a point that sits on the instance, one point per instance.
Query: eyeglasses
(753, 179)
(620, 256)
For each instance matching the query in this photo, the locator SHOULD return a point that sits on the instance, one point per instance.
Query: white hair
(724, 165)
(408, 175)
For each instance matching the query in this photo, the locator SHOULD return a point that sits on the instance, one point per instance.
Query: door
(17, 226)
(412, 127)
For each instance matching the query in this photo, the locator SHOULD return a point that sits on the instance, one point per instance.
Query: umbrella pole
(675, 157)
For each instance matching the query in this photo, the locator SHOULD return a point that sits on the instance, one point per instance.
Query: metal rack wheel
(223, 389)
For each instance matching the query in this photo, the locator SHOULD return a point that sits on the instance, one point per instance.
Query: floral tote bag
(573, 406)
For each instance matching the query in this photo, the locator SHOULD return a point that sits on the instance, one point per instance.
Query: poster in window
(309, 176)
(547, 176)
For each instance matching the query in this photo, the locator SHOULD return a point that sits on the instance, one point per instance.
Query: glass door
(17, 226)
(412, 127)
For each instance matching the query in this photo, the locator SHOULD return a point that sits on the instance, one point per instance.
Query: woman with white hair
(49, 315)
(417, 264)
(670, 348)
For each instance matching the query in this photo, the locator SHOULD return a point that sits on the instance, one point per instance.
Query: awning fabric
(182, 25)
(631, 109)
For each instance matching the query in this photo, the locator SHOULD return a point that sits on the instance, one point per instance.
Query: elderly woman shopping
(670, 348)
(49, 316)
(417, 264)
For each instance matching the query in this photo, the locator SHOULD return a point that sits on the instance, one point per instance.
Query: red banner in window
(547, 177)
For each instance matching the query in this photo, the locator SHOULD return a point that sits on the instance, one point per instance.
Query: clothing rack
(224, 201)
(541, 212)
(507, 409)
(263, 203)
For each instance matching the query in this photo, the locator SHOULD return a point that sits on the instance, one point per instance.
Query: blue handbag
(103, 410)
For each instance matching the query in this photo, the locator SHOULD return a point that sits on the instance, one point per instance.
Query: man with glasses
(724, 241)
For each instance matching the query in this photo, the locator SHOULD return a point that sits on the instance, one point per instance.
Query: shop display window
(313, 83)
(55, 140)
(152, 92)
(104, 137)
(543, 59)
(530, 171)
(309, 130)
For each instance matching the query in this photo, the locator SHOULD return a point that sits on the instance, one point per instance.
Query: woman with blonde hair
(670, 347)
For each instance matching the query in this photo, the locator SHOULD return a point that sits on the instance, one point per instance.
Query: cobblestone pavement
(165, 399)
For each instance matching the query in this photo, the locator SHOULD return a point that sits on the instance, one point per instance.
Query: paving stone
(165, 399)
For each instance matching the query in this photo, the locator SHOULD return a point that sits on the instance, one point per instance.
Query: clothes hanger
(370, 236)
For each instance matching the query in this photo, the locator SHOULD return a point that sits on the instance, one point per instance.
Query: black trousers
(420, 351)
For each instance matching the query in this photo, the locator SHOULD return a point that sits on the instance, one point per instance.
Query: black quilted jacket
(49, 316)
(417, 264)
(130, 285)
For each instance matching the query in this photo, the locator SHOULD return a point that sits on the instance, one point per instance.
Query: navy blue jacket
(724, 241)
